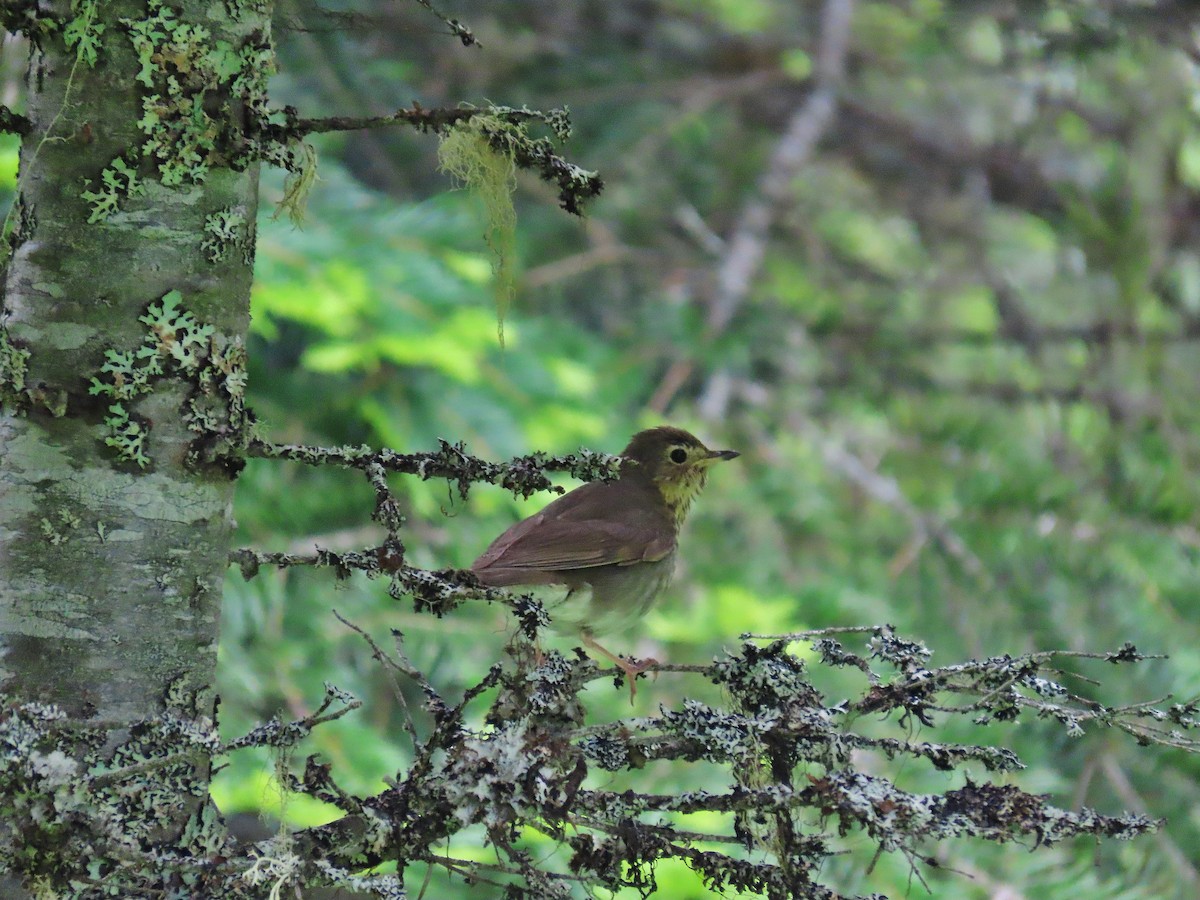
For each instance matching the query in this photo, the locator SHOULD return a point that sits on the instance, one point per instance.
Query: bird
(608, 547)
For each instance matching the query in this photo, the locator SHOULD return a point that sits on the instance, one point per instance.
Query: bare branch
(746, 247)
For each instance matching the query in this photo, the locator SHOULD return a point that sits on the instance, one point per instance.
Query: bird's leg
(631, 667)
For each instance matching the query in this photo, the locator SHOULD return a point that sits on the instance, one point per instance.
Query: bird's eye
(678, 455)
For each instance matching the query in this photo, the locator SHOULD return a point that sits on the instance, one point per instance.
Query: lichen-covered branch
(516, 756)
(523, 475)
(440, 591)
(457, 28)
(433, 591)
(506, 131)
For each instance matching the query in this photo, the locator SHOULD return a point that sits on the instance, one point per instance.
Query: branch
(526, 770)
(1129, 795)
(1014, 175)
(506, 134)
(927, 527)
(457, 28)
(1121, 405)
(523, 475)
(435, 121)
(514, 753)
(747, 245)
(14, 123)
(1090, 333)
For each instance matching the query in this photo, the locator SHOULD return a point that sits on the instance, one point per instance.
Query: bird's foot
(631, 667)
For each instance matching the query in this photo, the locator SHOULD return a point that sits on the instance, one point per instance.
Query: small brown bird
(608, 546)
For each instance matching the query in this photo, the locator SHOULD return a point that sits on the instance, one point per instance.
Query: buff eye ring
(679, 455)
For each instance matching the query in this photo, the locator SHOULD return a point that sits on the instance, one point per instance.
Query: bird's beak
(723, 454)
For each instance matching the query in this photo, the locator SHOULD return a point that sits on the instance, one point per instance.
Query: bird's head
(675, 461)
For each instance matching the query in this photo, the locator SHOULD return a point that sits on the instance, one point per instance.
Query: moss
(487, 165)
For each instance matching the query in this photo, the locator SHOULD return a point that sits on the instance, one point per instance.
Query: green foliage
(391, 295)
(963, 379)
(741, 16)
(10, 146)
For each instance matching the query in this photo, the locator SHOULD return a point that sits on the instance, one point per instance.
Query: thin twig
(391, 666)
(746, 246)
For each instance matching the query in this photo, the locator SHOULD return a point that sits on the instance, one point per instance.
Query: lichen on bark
(111, 562)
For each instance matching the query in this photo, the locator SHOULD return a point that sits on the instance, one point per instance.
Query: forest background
(935, 272)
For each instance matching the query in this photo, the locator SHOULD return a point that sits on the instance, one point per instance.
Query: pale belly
(606, 599)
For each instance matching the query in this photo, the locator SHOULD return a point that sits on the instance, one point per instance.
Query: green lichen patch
(58, 530)
(177, 344)
(240, 9)
(225, 231)
(14, 362)
(129, 373)
(92, 809)
(191, 81)
(175, 333)
(119, 179)
(127, 436)
(78, 820)
(82, 32)
(178, 64)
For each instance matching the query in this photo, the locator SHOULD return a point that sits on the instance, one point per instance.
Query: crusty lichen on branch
(516, 755)
(437, 592)
(506, 132)
(523, 475)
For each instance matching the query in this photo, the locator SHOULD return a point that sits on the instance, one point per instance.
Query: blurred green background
(963, 377)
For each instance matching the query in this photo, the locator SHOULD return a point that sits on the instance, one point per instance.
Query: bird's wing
(564, 536)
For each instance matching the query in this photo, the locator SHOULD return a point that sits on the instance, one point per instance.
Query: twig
(391, 666)
(1129, 795)
(523, 475)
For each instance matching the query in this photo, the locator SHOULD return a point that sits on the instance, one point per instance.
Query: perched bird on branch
(608, 547)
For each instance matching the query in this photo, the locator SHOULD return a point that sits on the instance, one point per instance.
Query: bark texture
(125, 306)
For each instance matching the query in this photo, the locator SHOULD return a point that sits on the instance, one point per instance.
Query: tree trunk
(125, 308)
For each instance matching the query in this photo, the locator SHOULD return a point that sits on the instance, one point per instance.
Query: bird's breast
(610, 599)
